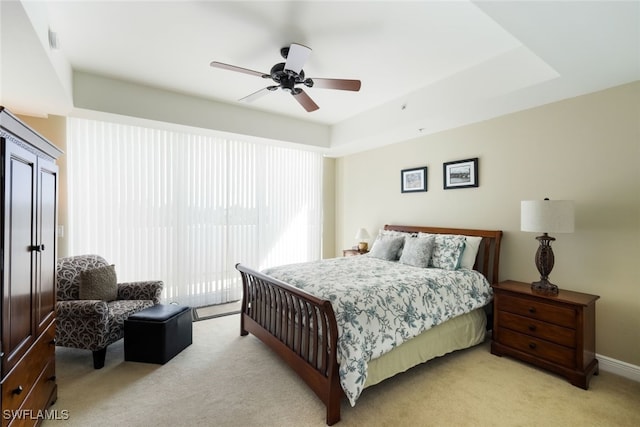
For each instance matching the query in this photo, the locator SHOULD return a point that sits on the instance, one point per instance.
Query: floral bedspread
(381, 304)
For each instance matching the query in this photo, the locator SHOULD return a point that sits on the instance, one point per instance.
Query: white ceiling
(449, 62)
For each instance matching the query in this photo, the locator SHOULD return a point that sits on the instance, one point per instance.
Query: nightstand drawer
(563, 316)
(536, 328)
(539, 348)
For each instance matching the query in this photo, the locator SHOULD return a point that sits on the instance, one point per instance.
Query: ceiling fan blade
(259, 94)
(296, 58)
(340, 84)
(304, 100)
(216, 64)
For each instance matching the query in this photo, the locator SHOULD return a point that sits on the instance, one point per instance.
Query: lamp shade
(547, 216)
(362, 234)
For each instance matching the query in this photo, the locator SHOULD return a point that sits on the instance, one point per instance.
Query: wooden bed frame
(302, 328)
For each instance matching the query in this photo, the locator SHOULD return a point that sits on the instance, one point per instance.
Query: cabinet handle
(17, 390)
(532, 328)
(532, 345)
(37, 248)
(532, 310)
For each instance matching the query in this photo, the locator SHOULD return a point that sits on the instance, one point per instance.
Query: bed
(294, 310)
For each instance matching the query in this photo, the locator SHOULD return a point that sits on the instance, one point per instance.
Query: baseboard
(619, 367)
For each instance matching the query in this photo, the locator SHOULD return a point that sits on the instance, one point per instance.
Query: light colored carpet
(223, 379)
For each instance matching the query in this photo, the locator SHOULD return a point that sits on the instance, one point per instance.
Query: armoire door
(45, 246)
(19, 238)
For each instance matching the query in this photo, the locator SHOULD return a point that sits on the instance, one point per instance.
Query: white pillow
(471, 246)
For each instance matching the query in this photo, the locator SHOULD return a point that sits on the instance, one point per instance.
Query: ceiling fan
(287, 75)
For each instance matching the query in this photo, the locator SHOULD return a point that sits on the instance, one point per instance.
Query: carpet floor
(224, 379)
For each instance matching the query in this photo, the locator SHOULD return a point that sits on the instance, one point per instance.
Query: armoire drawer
(18, 383)
(43, 393)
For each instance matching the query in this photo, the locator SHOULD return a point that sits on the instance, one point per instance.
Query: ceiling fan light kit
(289, 74)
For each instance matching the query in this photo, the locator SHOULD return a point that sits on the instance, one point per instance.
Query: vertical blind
(185, 208)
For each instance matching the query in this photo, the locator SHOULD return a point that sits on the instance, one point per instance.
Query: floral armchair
(93, 324)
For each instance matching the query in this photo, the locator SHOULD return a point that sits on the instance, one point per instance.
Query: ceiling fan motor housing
(287, 79)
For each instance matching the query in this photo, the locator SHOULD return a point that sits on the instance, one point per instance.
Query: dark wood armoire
(28, 261)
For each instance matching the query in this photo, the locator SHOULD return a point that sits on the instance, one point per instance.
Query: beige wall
(586, 149)
(328, 208)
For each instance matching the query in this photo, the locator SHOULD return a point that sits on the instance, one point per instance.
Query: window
(185, 208)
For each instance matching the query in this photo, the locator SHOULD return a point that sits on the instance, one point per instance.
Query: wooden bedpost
(334, 398)
(243, 331)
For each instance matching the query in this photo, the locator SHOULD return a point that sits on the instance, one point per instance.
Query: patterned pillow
(386, 246)
(99, 284)
(417, 251)
(447, 251)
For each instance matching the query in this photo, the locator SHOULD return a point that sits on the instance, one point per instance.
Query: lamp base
(544, 263)
(363, 246)
(544, 287)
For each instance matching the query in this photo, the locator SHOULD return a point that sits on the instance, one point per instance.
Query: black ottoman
(156, 334)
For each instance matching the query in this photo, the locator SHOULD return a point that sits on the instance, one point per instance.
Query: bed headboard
(488, 258)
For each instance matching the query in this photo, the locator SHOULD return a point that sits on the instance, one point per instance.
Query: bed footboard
(299, 327)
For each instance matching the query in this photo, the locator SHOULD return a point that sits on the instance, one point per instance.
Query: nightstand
(352, 252)
(556, 333)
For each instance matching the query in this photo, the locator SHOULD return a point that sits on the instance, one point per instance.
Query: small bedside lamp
(546, 216)
(361, 236)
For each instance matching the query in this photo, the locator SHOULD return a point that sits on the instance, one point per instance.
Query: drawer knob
(17, 390)
(532, 345)
(52, 378)
(532, 310)
(52, 342)
(532, 328)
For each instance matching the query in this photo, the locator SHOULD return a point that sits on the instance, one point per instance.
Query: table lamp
(361, 236)
(546, 216)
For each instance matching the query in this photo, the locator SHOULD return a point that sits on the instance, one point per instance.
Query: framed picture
(413, 180)
(461, 174)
